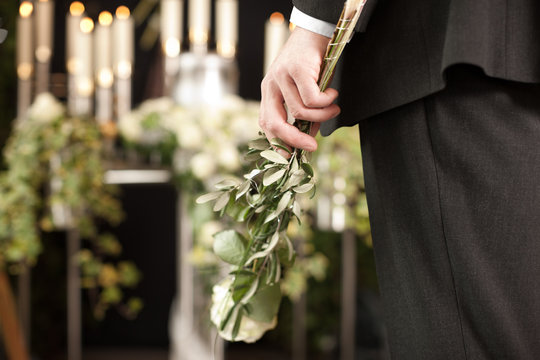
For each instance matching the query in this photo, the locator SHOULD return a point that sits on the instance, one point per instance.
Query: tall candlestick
(171, 39)
(25, 57)
(199, 24)
(103, 68)
(227, 27)
(171, 26)
(123, 54)
(276, 33)
(44, 17)
(84, 75)
(73, 21)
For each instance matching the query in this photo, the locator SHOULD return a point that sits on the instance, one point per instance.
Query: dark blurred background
(153, 247)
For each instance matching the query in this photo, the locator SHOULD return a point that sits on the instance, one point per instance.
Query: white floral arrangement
(201, 141)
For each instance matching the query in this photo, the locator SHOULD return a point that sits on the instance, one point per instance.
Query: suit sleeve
(330, 10)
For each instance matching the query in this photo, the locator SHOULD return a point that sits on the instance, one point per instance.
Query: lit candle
(25, 59)
(123, 55)
(73, 21)
(276, 33)
(103, 68)
(84, 75)
(171, 27)
(123, 39)
(227, 27)
(44, 23)
(199, 24)
(25, 56)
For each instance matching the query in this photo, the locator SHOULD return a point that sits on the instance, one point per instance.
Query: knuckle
(310, 101)
(296, 113)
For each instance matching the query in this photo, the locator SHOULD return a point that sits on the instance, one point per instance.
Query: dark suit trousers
(453, 186)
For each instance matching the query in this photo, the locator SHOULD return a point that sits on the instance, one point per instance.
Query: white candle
(171, 26)
(25, 43)
(44, 30)
(123, 43)
(123, 55)
(276, 33)
(103, 50)
(25, 57)
(103, 68)
(227, 27)
(73, 21)
(199, 23)
(84, 75)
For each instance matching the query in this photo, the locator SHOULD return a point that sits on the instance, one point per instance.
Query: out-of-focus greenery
(55, 180)
(8, 82)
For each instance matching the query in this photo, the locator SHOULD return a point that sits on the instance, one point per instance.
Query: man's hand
(292, 80)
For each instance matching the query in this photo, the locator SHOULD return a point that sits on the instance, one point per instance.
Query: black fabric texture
(408, 45)
(454, 199)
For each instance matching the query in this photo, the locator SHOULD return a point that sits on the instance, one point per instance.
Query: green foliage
(265, 201)
(54, 163)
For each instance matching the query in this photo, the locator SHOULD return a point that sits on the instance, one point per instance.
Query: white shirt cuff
(310, 23)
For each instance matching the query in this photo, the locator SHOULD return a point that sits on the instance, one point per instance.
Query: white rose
(190, 136)
(249, 331)
(130, 127)
(158, 105)
(212, 119)
(229, 158)
(203, 165)
(45, 108)
(245, 128)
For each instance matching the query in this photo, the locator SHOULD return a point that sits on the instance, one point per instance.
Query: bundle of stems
(342, 34)
(265, 201)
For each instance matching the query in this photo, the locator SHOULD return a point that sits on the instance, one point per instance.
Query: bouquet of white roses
(246, 303)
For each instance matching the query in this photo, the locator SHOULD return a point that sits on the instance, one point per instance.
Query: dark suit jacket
(408, 44)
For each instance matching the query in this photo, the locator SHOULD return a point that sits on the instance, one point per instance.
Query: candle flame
(277, 18)
(122, 12)
(225, 49)
(87, 25)
(105, 78)
(76, 8)
(172, 47)
(26, 9)
(291, 26)
(24, 71)
(105, 18)
(123, 69)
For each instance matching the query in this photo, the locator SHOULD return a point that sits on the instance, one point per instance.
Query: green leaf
(302, 189)
(227, 184)
(259, 144)
(243, 189)
(252, 174)
(273, 175)
(222, 201)
(265, 303)
(274, 156)
(242, 283)
(295, 178)
(252, 157)
(230, 246)
(283, 203)
(208, 197)
(308, 169)
(271, 246)
(276, 142)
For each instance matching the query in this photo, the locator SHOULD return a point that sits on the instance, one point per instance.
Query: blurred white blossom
(45, 108)
(250, 330)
